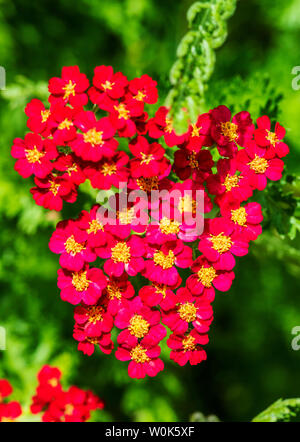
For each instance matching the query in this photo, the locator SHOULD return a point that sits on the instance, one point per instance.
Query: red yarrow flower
(94, 320)
(70, 88)
(272, 140)
(50, 192)
(187, 348)
(38, 117)
(148, 158)
(107, 86)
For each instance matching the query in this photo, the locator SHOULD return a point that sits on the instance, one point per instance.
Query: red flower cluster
(9, 411)
(57, 405)
(69, 144)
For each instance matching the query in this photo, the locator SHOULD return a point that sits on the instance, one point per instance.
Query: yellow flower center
(139, 354)
(231, 181)
(195, 130)
(206, 275)
(122, 111)
(138, 327)
(146, 158)
(229, 130)
(95, 226)
(72, 246)
(161, 289)
(72, 168)
(69, 408)
(188, 343)
(187, 312)
(45, 114)
(54, 187)
(168, 226)
(33, 155)
(148, 184)
(187, 204)
(53, 382)
(69, 89)
(93, 137)
(108, 169)
(66, 124)
(126, 216)
(239, 216)
(140, 96)
(95, 313)
(113, 291)
(193, 162)
(221, 242)
(272, 137)
(107, 85)
(164, 261)
(121, 253)
(79, 281)
(169, 125)
(259, 164)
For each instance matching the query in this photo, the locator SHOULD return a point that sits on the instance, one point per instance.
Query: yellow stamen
(126, 216)
(259, 164)
(195, 130)
(146, 158)
(54, 187)
(221, 242)
(188, 343)
(79, 281)
(169, 125)
(93, 137)
(95, 226)
(121, 253)
(231, 181)
(138, 327)
(66, 124)
(168, 226)
(239, 216)
(95, 313)
(139, 354)
(229, 130)
(45, 114)
(187, 204)
(72, 246)
(69, 89)
(108, 169)
(140, 96)
(206, 275)
(193, 162)
(147, 184)
(272, 137)
(187, 312)
(122, 111)
(164, 261)
(107, 85)
(113, 291)
(34, 155)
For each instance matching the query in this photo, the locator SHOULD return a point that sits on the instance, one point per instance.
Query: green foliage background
(250, 360)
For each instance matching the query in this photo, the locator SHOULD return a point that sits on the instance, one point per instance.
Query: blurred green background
(250, 360)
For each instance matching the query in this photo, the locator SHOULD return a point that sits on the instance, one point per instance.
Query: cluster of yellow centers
(187, 204)
(113, 291)
(108, 169)
(189, 343)
(146, 159)
(53, 382)
(45, 114)
(195, 130)
(72, 246)
(69, 89)
(139, 354)
(65, 124)
(229, 130)
(79, 281)
(272, 137)
(221, 242)
(95, 226)
(259, 164)
(230, 182)
(168, 226)
(239, 216)
(187, 312)
(126, 216)
(107, 85)
(164, 261)
(138, 326)
(54, 187)
(33, 155)
(169, 125)
(95, 313)
(121, 253)
(206, 275)
(147, 184)
(122, 111)
(93, 137)
(69, 408)
(193, 162)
